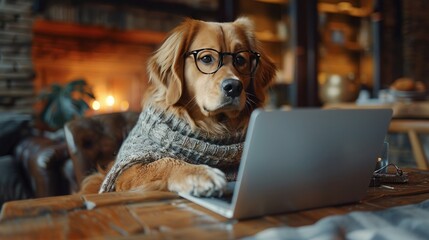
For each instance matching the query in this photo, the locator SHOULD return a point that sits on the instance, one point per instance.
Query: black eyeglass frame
(221, 55)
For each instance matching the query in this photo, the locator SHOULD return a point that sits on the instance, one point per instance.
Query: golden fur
(179, 87)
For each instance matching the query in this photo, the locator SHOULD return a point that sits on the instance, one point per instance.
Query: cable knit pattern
(159, 134)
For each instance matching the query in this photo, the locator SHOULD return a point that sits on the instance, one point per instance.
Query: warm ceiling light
(110, 100)
(95, 105)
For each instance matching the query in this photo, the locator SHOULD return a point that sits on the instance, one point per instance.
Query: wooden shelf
(269, 37)
(274, 1)
(94, 32)
(336, 8)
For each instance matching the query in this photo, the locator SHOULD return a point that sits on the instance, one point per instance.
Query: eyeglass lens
(209, 61)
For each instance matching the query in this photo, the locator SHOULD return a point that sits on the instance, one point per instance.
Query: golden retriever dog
(206, 79)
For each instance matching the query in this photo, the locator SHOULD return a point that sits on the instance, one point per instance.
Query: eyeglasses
(209, 61)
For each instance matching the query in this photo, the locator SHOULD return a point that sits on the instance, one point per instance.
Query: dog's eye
(240, 61)
(207, 59)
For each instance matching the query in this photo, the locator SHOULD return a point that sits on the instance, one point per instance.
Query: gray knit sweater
(158, 134)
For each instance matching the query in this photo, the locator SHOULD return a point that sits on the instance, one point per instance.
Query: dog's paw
(198, 180)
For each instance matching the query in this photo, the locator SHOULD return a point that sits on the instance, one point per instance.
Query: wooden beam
(305, 46)
(94, 32)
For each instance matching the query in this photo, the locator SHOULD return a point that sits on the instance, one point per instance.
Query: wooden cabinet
(311, 39)
(346, 43)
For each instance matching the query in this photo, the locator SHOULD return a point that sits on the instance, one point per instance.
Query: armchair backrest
(95, 141)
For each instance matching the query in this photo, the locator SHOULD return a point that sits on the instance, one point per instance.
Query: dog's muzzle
(232, 87)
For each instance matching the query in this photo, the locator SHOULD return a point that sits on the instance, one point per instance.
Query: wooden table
(413, 127)
(411, 118)
(162, 215)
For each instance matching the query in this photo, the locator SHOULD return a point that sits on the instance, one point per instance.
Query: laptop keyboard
(224, 198)
(228, 193)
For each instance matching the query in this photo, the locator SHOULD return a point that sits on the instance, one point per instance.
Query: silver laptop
(303, 159)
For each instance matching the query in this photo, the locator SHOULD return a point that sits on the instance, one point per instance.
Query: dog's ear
(266, 70)
(166, 66)
(264, 75)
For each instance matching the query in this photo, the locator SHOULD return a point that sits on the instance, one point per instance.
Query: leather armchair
(38, 166)
(31, 164)
(93, 142)
(42, 161)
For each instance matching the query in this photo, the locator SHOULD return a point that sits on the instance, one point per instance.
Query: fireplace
(113, 62)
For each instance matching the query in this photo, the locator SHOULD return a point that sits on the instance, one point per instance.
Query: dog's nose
(232, 87)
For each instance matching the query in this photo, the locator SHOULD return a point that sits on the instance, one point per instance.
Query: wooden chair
(413, 128)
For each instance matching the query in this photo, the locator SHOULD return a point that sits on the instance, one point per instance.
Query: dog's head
(215, 73)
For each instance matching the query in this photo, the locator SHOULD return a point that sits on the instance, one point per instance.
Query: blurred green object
(63, 103)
